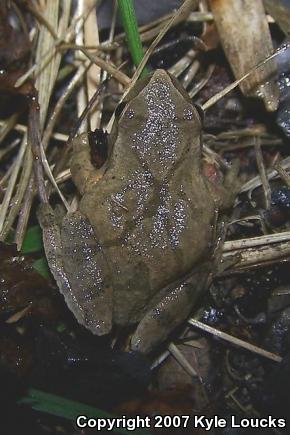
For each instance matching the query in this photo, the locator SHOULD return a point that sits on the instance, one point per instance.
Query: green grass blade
(41, 267)
(128, 16)
(68, 409)
(32, 241)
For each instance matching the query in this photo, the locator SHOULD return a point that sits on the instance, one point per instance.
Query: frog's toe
(144, 338)
(100, 325)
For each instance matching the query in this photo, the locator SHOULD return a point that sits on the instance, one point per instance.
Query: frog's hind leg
(79, 268)
(174, 306)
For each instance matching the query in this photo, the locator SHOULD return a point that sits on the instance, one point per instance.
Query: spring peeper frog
(133, 252)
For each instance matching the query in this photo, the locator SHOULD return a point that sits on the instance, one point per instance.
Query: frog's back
(152, 211)
(151, 234)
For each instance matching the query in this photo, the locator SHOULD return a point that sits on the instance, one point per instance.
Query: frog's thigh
(72, 255)
(53, 251)
(168, 313)
(88, 274)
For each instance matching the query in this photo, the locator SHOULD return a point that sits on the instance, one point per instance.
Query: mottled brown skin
(134, 250)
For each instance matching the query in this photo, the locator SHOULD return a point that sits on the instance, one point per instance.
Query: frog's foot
(232, 181)
(225, 193)
(231, 186)
(79, 268)
(169, 312)
(84, 172)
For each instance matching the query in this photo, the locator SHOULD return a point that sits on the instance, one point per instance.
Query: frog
(135, 253)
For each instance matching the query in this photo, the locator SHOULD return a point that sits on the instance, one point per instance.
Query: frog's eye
(200, 111)
(119, 109)
(98, 141)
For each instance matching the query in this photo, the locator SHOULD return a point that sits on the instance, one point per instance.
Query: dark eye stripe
(120, 108)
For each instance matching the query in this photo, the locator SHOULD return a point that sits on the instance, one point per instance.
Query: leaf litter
(58, 59)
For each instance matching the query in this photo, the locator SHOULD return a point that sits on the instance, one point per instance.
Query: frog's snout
(161, 75)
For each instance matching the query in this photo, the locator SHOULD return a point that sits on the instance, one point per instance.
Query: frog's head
(159, 121)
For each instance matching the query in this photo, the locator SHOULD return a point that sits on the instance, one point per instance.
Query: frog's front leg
(79, 268)
(174, 306)
(84, 173)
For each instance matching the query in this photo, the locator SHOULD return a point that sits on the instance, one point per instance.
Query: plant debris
(62, 72)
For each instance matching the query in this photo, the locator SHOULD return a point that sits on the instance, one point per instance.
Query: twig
(79, 59)
(23, 129)
(34, 140)
(26, 162)
(213, 100)
(42, 20)
(24, 213)
(9, 148)
(272, 173)
(11, 186)
(8, 125)
(85, 112)
(182, 360)
(234, 245)
(45, 80)
(66, 36)
(236, 341)
(284, 175)
(262, 171)
(74, 82)
(253, 258)
(107, 66)
(91, 36)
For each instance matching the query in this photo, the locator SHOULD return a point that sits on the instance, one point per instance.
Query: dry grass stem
(23, 129)
(213, 100)
(271, 173)
(11, 185)
(283, 174)
(45, 80)
(7, 126)
(10, 147)
(180, 358)
(252, 258)
(233, 340)
(184, 10)
(269, 239)
(93, 75)
(263, 175)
